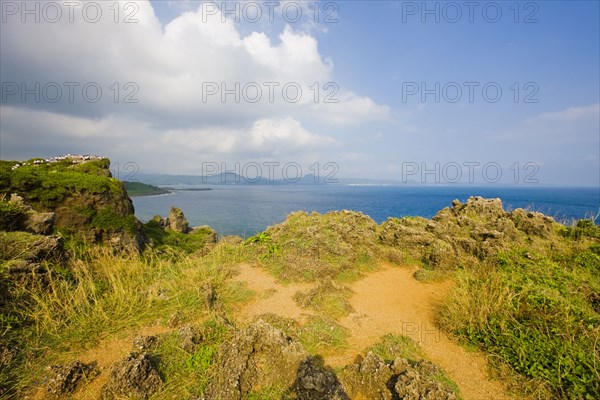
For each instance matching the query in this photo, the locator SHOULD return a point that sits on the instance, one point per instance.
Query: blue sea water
(246, 210)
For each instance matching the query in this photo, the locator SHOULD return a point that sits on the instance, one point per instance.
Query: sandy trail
(392, 301)
(389, 300)
(271, 296)
(105, 354)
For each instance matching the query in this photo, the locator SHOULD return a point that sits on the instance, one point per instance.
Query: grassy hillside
(525, 290)
(142, 189)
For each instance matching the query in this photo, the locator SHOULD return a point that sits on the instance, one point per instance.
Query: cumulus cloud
(190, 85)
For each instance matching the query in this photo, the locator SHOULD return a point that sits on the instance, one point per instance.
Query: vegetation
(532, 303)
(188, 371)
(106, 296)
(327, 298)
(393, 346)
(47, 184)
(527, 289)
(309, 247)
(142, 189)
(166, 239)
(12, 216)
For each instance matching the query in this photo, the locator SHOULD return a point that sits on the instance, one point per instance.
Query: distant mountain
(231, 178)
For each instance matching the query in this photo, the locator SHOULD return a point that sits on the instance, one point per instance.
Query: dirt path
(391, 300)
(386, 301)
(105, 354)
(271, 296)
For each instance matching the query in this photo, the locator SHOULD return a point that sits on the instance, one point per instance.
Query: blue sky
(373, 52)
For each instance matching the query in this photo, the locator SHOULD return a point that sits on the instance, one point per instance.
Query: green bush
(539, 317)
(12, 216)
(49, 183)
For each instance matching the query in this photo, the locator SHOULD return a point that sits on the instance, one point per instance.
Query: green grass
(109, 294)
(186, 374)
(322, 335)
(165, 239)
(106, 219)
(527, 291)
(310, 247)
(48, 184)
(536, 315)
(142, 189)
(392, 346)
(327, 298)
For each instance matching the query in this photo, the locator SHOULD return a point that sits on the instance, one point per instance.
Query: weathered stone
(190, 338)
(532, 223)
(40, 223)
(373, 378)
(177, 221)
(369, 377)
(145, 343)
(134, 377)
(258, 356)
(209, 233)
(65, 379)
(316, 382)
(209, 295)
(416, 383)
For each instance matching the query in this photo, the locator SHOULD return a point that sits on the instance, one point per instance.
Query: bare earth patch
(271, 296)
(389, 300)
(106, 354)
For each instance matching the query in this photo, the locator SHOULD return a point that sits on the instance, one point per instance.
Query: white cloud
(569, 115)
(172, 65)
(572, 124)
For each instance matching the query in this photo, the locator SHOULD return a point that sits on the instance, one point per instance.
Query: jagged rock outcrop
(23, 255)
(473, 230)
(257, 356)
(190, 338)
(373, 378)
(320, 245)
(22, 217)
(82, 199)
(177, 221)
(145, 343)
(65, 379)
(134, 377)
(533, 223)
(316, 382)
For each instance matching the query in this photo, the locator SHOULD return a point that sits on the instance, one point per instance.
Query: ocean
(247, 209)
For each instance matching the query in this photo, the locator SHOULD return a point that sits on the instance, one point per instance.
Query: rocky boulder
(40, 223)
(16, 215)
(533, 223)
(373, 378)
(134, 377)
(65, 379)
(257, 356)
(316, 382)
(177, 221)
